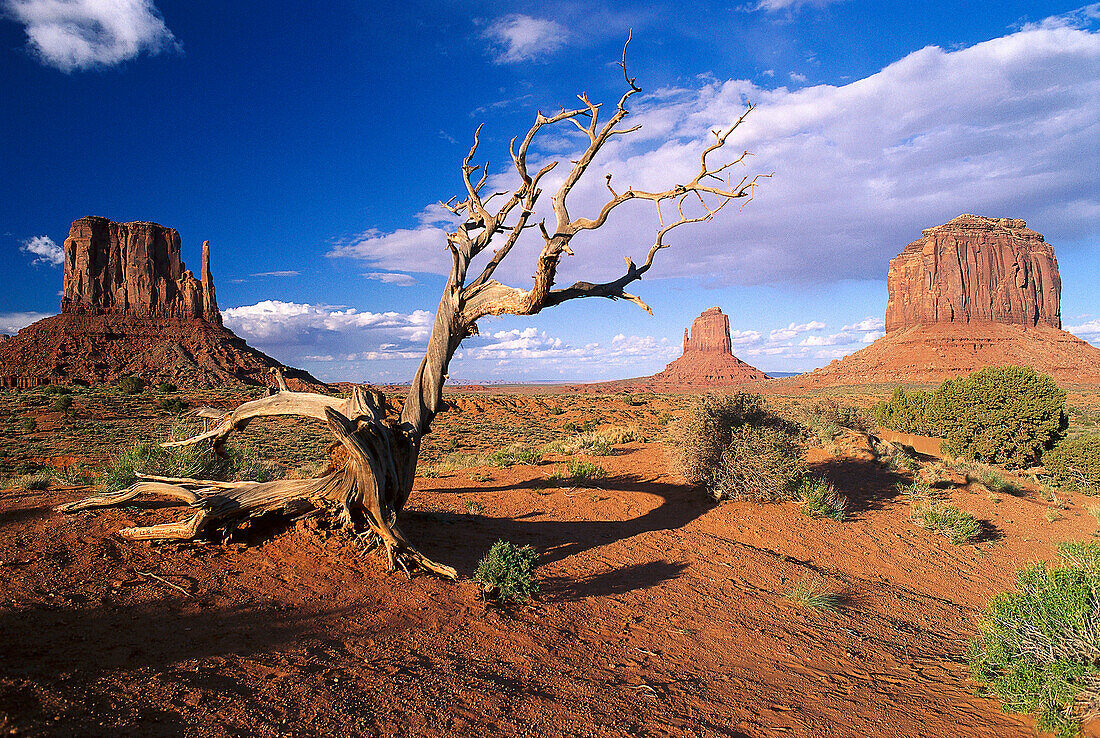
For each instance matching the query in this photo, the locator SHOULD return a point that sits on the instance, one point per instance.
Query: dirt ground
(661, 613)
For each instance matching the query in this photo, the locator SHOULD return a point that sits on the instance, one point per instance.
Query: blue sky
(310, 142)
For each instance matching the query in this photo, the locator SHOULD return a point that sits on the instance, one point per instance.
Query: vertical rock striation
(133, 269)
(710, 332)
(975, 270)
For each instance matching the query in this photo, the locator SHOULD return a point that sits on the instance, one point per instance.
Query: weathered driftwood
(373, 462)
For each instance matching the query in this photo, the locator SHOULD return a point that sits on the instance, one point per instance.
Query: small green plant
(507, 573)
(1036, 648)
(581, 471)
(1051, 515)
(947, 520)
(1075, 464)
(555, 410)
(131, 385)
(173, 405)
(1094, 511)
(58, 389)
(63, 403)
(167, 388)
(814, 595)
(819, 499)
(474, 507)
(990, 478)
(512, 455)
(480, 476)
(195, 461)
(28, 424)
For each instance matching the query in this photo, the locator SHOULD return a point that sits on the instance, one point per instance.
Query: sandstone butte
(972, 293)
(707, 362)
(130, 306)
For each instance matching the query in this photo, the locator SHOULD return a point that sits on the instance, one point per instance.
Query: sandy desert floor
(661, 613)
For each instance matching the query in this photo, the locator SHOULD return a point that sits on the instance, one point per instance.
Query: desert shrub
(511, 455)
(131, 385)
(819, 499)
(196, 461)
(908, 412)
(1005, 415)
(830, 412)
(58, 389)
(814, 595)
(596, 443)
(761, 463)
(167, 388)
(989, 477)
(28, 424)
(1037, 647)
(63, 403)
(36, 481)
(507, 572)
(1075, 464)
(704, 435)
(947, 520)
(172, 405)
(580, 471)
(556, 410)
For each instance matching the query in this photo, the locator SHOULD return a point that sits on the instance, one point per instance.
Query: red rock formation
(710, 332)
(707, 363)
(975, 270)
(972, 293)
(131, 307)
(133, 269)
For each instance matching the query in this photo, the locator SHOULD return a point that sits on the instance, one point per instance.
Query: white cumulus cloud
(72, 35)
(11, 323)
(1087, 331)
(521, 38)
(394, 278)
(44, 250)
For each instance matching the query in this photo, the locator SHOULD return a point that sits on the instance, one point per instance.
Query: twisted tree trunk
(372, 463)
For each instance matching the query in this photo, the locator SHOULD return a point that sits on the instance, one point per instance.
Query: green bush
(28, 424)
(1075, 464)
(1037, 647)
(830, 412)
(131, 385)
(908, 412)
(1003, 415)
(167, 388)
(63, 403)
(172, 405)
(58, 389)
(507, 572)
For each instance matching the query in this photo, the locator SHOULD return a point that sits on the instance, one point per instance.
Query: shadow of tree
(866, 484)
(558, 539)
(611, 582)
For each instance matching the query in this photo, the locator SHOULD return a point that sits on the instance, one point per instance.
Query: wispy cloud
(523, 38)
(44, 250)
(72, 35)
(394, 278)
(1006, 127)
(11, 323)
(774, 6)
(1087, 331)
(284, 273)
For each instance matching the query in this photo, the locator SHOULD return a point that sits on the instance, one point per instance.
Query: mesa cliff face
(975, 270)
(133, 269)
(972, 293)
(131, 307)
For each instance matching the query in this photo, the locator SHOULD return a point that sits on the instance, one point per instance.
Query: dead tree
(372, 464)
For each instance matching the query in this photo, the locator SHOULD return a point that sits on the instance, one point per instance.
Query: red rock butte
(972, 293)
(707, 362)
(131, 307)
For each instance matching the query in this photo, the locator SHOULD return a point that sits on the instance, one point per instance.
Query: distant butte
(971, 293)
(707, 362)
(130, 306)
